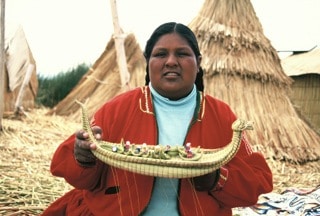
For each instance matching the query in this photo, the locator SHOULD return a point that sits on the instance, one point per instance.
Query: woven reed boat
(165, 161)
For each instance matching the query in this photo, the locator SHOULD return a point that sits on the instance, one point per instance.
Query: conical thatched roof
(102, 81)
(243, 69)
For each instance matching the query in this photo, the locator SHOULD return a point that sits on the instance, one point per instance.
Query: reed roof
(233, 42)
(102, 81)
(243, 69)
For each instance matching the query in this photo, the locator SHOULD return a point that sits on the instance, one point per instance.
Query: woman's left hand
(205, 182)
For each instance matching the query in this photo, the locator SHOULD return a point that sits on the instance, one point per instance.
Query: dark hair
(184, 32)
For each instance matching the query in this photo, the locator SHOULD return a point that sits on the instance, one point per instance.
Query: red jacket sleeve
(243, 179)
(63, 162)
(64, 165)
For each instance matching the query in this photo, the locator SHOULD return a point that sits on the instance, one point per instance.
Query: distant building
(304, 69)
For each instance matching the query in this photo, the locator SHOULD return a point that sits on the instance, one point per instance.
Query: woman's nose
(171, 60)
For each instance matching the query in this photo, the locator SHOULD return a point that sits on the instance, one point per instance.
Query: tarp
(18, 59)
(293, 201)
(17, 51)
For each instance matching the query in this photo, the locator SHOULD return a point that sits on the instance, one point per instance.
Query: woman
(170, 109)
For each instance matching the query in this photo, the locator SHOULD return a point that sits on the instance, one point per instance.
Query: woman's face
(173, 66)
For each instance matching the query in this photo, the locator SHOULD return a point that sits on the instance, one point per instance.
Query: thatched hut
(20, 71)
(304, 69)
(242, 68)
(102, 81)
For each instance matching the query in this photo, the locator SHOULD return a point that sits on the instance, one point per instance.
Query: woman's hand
(83, 147)
(205, 182)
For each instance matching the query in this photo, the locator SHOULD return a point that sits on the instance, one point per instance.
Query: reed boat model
(165, 161)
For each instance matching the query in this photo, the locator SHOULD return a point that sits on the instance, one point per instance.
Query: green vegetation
(53, 89)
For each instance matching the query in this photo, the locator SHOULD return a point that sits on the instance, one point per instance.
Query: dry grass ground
(26, 147)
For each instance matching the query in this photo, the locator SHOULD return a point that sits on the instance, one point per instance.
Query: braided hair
(184, 32)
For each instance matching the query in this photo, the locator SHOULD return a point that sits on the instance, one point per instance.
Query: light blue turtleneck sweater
(173, 119)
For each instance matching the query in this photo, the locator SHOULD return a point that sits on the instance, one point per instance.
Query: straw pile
(26, 147)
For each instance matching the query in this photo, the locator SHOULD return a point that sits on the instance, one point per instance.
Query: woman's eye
(183, 54)
(159, 54)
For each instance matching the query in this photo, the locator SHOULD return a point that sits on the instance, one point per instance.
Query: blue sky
(65, 33)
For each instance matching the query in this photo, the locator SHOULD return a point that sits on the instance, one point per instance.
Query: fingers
(96, 130)
(82, 149)
(83, 135)
(82, 143)
(84, 155)
(83, 146)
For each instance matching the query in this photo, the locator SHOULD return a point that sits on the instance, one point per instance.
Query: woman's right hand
(83, 147)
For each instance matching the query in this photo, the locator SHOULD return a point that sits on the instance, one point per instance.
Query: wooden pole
(119, 38)
(2, 60)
